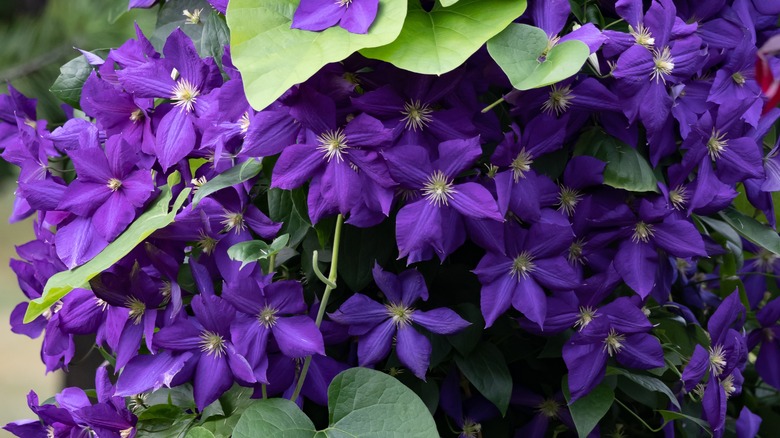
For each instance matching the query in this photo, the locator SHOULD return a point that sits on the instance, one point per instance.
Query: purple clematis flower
(768, 335)
(271, 311)
(618, 329)
(109, 188)
(723, 362)
(376, 324)
(434, 221)
(533, 258)
(355, 16)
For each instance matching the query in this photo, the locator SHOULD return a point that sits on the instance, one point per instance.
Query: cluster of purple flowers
(513, 196)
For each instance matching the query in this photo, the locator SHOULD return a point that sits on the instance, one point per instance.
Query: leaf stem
(492, 105)
(330, 284)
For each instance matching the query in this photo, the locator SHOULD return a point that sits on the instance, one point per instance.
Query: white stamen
(438, 190)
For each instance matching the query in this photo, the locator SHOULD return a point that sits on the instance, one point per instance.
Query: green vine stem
(330, 284)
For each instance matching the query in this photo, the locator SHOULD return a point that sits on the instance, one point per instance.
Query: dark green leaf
(275, 417)
(171, 16)
(671, 415)
(215, 37)
(468, 338)
(626, 168)
(289, 208)
(272, 57)
(441, 40)
(520, 51)
(486, 369)
(235, 175)
(71, 80)
(752, 230)
(588, 411)
(646, 382)
(363, 247)
(157, 215)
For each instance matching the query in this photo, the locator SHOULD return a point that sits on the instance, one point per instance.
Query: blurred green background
(38, 36)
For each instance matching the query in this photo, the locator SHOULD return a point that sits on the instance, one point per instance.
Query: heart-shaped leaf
(439, 41)
(521, 52)
(272, 57)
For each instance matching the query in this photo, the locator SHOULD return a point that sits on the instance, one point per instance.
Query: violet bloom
(618, 329)
(533, 258)
(467, 413)
(109, 187)
(376, 325)
(722, 362)
(768, 335)
(545, 411)
(355, 16)
(434, 221)
(207, 337)
(270, 312)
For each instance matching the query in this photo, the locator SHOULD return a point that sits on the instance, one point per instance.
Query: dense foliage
(546, 220)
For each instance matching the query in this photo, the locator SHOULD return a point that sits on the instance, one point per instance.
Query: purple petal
(297, 336)
(442, 321)
(766, 363)
(417, 225)
(586, 364)
(149, 373)
(375, 345)
(529, 298)
(696, 367)
(455, 156)
(212, 379)
(555, 273)
(637, 263)
(679, 237)
(747, 423)
(317, 15)
(388, 283)
(361, 311)
(496, 297)
(475, 201)
(113, 216)
(175, 137)
(359, 16)
(641, 351)
(409, 165)
(413, 350)
(78, 242)
(296, 165)
(180, 336)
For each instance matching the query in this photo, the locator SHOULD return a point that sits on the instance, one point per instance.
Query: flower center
(717, 359)
(31, 123)
(548, 408)
(267, 317)
(568, 199)
(587, 313)
(678, 197)
(769, 335)
(642, 36)
(114, 184)
(344, 3)
(663, 64)
(471, 429)
(522, 265)
(417, 115)
(558, 100)
(642, 232)
(716, 144)
(243, 122)
(212, 343)
(136, 115)
(766, 261)
(184, 94)
(521, 164)
(728, 385)
(192, 17)
(137, 309)
(438, 190)
(101, 303)
(613, 343)
(333, 144)
(400, 314)
(738, 78)
(233, 221)
(575, 252)
(206, 243)
(125, 433)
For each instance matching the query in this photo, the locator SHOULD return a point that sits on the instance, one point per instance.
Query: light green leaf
(752, 230)
(518, 49)
(588, 411)
(486, 369)
(441, 40)
(272, 418)
(199, 432)
(367, 403)
(71, 80)
(157, 216)
(235, 175)
(446, 3)
(254, 250)
(626, 167)
(116, 10)
(272, 57)
(647, 382)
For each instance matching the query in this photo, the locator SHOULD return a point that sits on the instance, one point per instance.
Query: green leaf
(157, 216)
(272, 57)
(752, 230)
(275, 417)
(441, 40)
(468, 339)
(235, 175)
(289, 208)
(367, 403)
(216, 36)
(171, 17)
(671, 415)
(71, 80)
(364, 247)
(116, 10)
(486, 369)
(646, 382)
(446, 3)
(626, 168)
(254, 250)
(519, 48)
(588, 411)
(199, 432)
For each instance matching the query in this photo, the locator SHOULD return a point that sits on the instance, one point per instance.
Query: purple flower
(434, 221)
(618, 329)
(376, 324)
(768, 335)
(355, 16)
